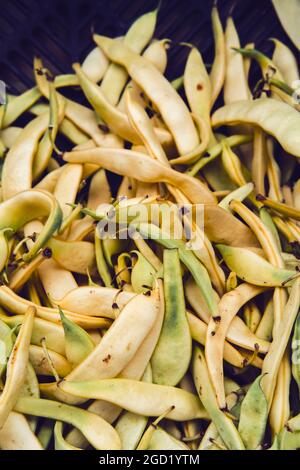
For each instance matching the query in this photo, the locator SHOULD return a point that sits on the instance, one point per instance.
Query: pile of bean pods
(152, 341)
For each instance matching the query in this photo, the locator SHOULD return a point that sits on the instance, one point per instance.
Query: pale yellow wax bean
(234, 89)
(56, 280)
(216, 333)
(17, 169)
(118, 346)
(95, 301)
(158, 89)
(16, 434)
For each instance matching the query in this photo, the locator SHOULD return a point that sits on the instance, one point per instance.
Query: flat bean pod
(172, 354)
(16, 367)
(126, 162)
(78, 343)
(136, 38)
(19, 305)
(274, 117)
(99, 433)
(253, 417)
(17, 435)
(116, 348)
(224, 425)
(216, 332)
(96, 301)
(158, 89)
(149, 399)
(252, 268)
(148, 291)
(59, 442)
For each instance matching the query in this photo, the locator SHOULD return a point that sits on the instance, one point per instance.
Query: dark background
(60, 31)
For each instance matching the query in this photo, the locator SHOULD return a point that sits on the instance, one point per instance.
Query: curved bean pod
(278, 346)
(142, 273)
(95, 64)
(19, 305)
(198, 332)
(95, 301)
(40, 363)
(217, 74)
(197, 88)
(161, 440)
(116, 348)
(253, 268)
(16, 367)
(16, 434)
(233, 90)
(216, 333)
(273, 116)
(98, 432)
(286, 62)
(136, 38)
(140, 397)
(19, 159)
(142, 168)
(29, 205)
(16, 106)
(117, 121)
(158, 89)
(59, 441)
(75, 256)
(42, 329)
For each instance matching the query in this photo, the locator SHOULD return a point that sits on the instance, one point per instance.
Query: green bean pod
(224, 425)
(173, 352)
(196, 268)
(47, 143)
(78, 343)
(102, 266)
(287, 440)
(253, 268)
(142, 274)
(253, 416)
